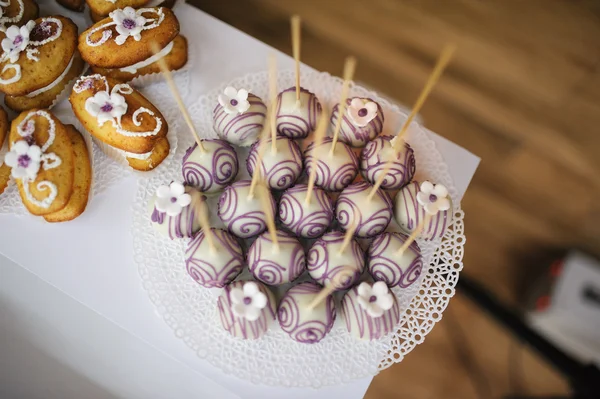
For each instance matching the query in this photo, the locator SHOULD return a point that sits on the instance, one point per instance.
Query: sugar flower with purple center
(16, 41)
(361, 112)
(24, 159)
(248, 301)
(234, 101)
(433, 197)
(172, 199)
(375, 299)
(128, 22)
(106, 107)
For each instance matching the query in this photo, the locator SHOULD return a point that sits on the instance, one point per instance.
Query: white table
(74, 318)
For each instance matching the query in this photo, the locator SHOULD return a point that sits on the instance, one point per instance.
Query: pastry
(17, 12)
(302, 324)
(121, 117)
(82, 180)
(246, 309)
(74, 5)
(327, 264)
(281, 168)
(174, 210)
(410, 204)
(212, 170)
(214, 267)
(371, 215)
(370, 311)
(99, 9)
(239, 116)
(297, 119)
(361, 123)
(385, 264)
(119, 46)
(334, 171)
(375, 156)
(4, 169)
(306, 220)
(243, 215)
(37, 61)
(276, 265)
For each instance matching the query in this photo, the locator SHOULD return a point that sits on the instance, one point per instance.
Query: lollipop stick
(205, 225)
(336, 282)
(296, 50)
(424, 222)
(349, 67)
(268, 210)
(347, 237)
(273, 98)
(171, 83)
(262, 146)
(319, 135)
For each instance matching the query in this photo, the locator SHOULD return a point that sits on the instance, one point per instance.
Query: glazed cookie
(118, 115)
(36, 55)
(74, 5)
(149, 161)
(17, 12)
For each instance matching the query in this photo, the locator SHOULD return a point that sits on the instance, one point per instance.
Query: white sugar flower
(375, 299)
(234, 101)
(433, 197)
(128, 23)
(361, 112)
(24, 159)
(172, 199)
(105, 107)
(248, 301)
(16, 41)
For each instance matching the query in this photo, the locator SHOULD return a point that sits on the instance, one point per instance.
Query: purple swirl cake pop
(210, 171)
(336, 171)
(306, 220)
(305, 325)
(325, 261)
(378, 153)
(297, 120)
(276, 266)
(370, 311)
(372, 216)
(281, 168)
(385, 264)
(214, 267)
(361, 123)
(243, 216)
(239, 117)
(246, 309)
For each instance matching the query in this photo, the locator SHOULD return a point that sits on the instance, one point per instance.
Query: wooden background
(523, 93)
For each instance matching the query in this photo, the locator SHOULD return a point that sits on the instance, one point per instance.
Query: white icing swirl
(107, 33)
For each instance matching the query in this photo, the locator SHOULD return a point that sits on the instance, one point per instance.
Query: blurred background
(522, 93)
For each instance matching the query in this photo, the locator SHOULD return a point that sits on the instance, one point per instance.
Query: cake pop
(385, 264)
(371, 214)
(334, 170)
(376, 155)
(306, 220)
(210, 170)
(239, 117)
(361, 123)
(280, 168)
(276, 263)
(297, 118)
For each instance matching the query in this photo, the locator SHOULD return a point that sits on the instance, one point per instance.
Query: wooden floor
(523, 93)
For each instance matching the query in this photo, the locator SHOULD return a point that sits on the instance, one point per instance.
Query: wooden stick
(424, 222)
(262, 146)
(349, 68)
(319, 136)
(336, 282)
(397, 142)
(296, 50)
(268, 210)
(205, 225)
(173, 87)
(348, 237)
(273, 98)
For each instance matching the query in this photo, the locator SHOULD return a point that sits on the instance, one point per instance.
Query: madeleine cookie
(82, 180)
(4, 169)
(175, 55)
(151, 160)
(101, 8)
(44, 98)
(17, 12)
(36, 54)
(117, 115)
(42, 161)
(75, 5)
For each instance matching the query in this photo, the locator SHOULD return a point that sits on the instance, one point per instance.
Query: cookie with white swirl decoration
(306, 219)
(297, 118)
(279, 168)
(378, 153)
(362, 122)
(100, 9)
(276, 263)
(372, 214)
(4, 169)
(211, 170)
(385, 263)
(335, 170)
(17, 12)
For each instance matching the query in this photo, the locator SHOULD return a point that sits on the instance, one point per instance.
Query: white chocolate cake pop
(371, 215)
(296, 120)
(385, 263)
(246, 309)
(243, 215)
(174, 210)
(370, 311)
(327, 258)
(239, 117)
(409, 208)
(306, 220)
(210, 170)
(361, 123)
(276, 264)
(214, 267)
(305, 325)
(378, 153)
(280, 169)
(334, 171)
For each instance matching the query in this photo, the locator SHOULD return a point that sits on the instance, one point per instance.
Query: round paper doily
(275, 359)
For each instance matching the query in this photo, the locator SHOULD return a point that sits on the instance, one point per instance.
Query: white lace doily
(190, 310)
